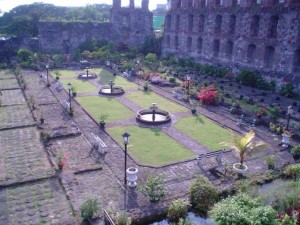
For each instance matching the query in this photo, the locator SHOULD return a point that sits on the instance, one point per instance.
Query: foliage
(244, 145)
(274, 113)
(287, 90)
(152, 44)
(186, 221)
(275, 128)
(243, 210)
(177, 209)
(154, 188)
(151, 57)
(208, 95)
(296, 150)
(271, 160)
(247, 77)
(289, 220)
(292, 171)
(202, 194)
(90, 208)
(122, 219)
(25, 55)
(103, 117)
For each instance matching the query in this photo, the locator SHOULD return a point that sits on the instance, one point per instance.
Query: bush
(177, 209)
(151, 57)
(287, 90)
(247, 77)
(202, 194)
(90, 208)
(243, 210)
(172, 80)
(123, 219)
(292, 171)
(296, 150)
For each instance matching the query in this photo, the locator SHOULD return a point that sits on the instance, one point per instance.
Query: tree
(244, 145)
(154, 188)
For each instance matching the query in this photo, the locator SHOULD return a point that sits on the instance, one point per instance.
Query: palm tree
(244, 145)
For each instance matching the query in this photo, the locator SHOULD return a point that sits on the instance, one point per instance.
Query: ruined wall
(257, 34)
(128, 26)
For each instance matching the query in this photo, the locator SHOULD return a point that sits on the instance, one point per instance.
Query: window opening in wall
(176, 44)
(273, 26)
(201, 23)
(218, 25)
(199, 45)
(216, 48)
(189, 44)
(269, 56)
(218, 2)
(251, 51)
(190, 3)
(229, 49)
(191, 22)
(125, 21)
(177, 22)
(232, 24)
(179, 3)
(168, 22)
(296, 63)
(254, 26)
(234, 2)
(168, 41)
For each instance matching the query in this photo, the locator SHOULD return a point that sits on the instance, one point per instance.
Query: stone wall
(259, 34)
(129, 26)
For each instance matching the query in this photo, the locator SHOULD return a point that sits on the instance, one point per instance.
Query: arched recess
(190, 22)
(273, 24)
(296, 61)
(269, 56)
(229, 49)
(189, 44)
(254, 26)
(176, 42)
(201, 23)
(216, 48)
(199, 45)
(251, 53)
(168, 41)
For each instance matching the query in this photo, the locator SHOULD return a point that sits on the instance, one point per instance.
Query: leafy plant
(271, 160)
(292, 171)
(287, 90)
(177, 209)
(90, 208)
(208, 95)
(154, 188)
(247, 77)
(122, 218)
(202, 194)
(289, 220)
(103, 117)
(244, 145)
(296, 150)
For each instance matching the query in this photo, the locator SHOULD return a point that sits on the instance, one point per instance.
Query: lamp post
(47, 68)
(125, 142)
(153, 108)
(111, 84)
(70, 88)
(188, 78)
(87, 72)
(289, 113)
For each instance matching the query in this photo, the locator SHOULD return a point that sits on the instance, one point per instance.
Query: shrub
(292, 171)
(208, 95)
(154, 188)
(172, 80)
(287, 90)
(247, 77)
(289, 220)
(151, 57)
(90, 208)
(202, 194)
(296, 150)
(177, 209)
(123, 219)
(243, 210)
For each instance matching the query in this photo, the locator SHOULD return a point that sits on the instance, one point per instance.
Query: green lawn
(97, 105)
(6, 74)
(146, 98)
(65, 73)
(81, 85)
(151, 146)
(204, 131)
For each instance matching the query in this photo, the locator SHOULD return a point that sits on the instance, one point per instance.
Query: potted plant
(194, 106)
(286, 135)
(61, 160)
(74, 91)
(132, 176)
(243, 146)
(271, 161)
(146, 86)
(103, 117)
(90, 208)
(296, 152)
(57, 74)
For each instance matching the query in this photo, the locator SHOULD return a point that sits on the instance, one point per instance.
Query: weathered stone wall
(264, 36)
(128, 25)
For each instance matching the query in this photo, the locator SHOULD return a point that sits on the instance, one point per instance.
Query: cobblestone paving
(23, 156)
(12, 97)
(41, 202)
(6, 84)
(15, 116)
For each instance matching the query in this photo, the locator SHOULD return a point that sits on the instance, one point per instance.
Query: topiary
(177, 209)
(202, 194)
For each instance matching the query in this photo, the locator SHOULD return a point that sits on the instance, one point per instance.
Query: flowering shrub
(208, 95)
(61, 159)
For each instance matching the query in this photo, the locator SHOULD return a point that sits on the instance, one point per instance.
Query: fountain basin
(146, 116)
(116, 90)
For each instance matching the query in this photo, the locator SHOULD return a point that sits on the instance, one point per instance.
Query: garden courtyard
(35, 190)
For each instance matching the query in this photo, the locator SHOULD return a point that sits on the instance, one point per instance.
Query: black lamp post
(111, 84)
(87, 72)
(70, 88)
(125, 142)
(153, 108)
(188, 78)
(289, 113)
(47, 68)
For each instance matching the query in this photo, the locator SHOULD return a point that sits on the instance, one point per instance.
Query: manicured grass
(97, 105)
(6, 74)
(65, 73)
(204, 131)
(106, 76)
(146, 98)
(151, 146)
(81, 85)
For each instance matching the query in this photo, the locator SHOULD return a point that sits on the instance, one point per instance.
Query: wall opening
(216, 48)
(177, 22)
(218, 24)
(189, 44)
(296, 63)
(269, 56)
(273, 26)
(218, 2)
(179, 3)
(254, 26)
(251, 51)
(176, 43)
(190, 3)
(168, 42)
(229, 49)
(201, 23)
(232, 24)
(168, 22)
(199, 45)
(190, 22)
(234, 3)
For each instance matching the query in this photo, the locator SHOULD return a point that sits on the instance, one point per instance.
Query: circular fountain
(87, 75)
(153, 115)
(111, 89)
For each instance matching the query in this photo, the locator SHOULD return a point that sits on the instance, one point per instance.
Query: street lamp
(125, 142)
(289, 113)
(47, 68)
(87, 72)
(188, 78)
(153, 108)
(70, 88)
